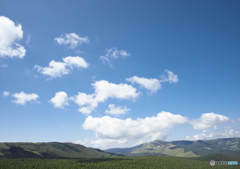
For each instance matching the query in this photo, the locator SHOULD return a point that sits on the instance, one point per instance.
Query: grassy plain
(140, 162)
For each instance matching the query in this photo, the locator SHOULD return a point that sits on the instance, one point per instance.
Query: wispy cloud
(82, 142)
(28, 41)
(104, 58)
(6, 93)
(72, 40)
(114, 53)
(4, 65)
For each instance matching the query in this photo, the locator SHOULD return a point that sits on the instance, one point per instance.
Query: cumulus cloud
(207, 120)
(57, 69)
(75, 61)
(10, 34)
(206, 134)
(103, 91)
(6, 93)
(59, 100)
(117, 110)
(153, 85)
(72, 40)
(150, 84)
(114, 53)
(114, 130)
(22, 98)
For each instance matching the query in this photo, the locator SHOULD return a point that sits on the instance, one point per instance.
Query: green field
(148, 162)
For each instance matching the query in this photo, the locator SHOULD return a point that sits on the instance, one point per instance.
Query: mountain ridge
(50, 150)
(182, 148)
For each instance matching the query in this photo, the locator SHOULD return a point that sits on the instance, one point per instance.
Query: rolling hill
(183, 148)
(50, 150)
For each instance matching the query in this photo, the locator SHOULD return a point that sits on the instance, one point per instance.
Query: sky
(118, 73)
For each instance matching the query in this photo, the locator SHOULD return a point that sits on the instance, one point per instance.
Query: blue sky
(119, 73)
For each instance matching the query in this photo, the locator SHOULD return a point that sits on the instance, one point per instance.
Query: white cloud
(59, 100)
(6, 93)
(227, 133)
(71, 39)
(28, 40)
(4, 65)
(113, 130)
(86, 110)
(22, 98)
(106, 142)
(82, 142)
(117, 110)
(207, 120)
(57, 69)
(103, 58)
(172, 78)
(114, 53)
(124, 54)
(75, 61)
(138, 143)
(79, 51)
(150, 84)
(10, 34)
(103, 91)
(153, 85)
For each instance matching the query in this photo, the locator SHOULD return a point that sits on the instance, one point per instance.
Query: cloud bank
(114, 130)
(206, 134)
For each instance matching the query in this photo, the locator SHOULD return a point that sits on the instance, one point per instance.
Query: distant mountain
(183, 148)
(50, 150)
